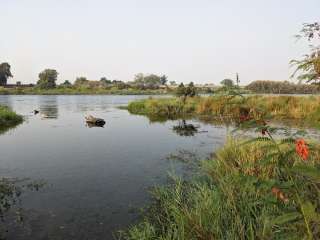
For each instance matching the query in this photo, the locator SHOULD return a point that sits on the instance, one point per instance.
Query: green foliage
(261, 188)
(184, 92)
(5, 73)
(292, 109)
(47, 79)
(173, 83)
(105, 80)
(66, 83)
(81, 81)
(8, 119)
(227, 83)
(309, 66)
(233, 199)
(282, 87)
(151, 81)
(163, 80)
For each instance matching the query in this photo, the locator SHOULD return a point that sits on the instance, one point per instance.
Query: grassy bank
(79, 91)
(8, 119)
(301, 109)
(242, 193)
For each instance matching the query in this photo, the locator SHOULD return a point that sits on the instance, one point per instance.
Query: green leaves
(286, 218)
(307, 171)
(309, 212)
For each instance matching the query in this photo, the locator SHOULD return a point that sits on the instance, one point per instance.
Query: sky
(203, 41)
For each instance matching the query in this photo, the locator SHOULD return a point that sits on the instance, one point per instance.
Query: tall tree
(227, 83)
(5, 73)
(163, 79)
(47, 78)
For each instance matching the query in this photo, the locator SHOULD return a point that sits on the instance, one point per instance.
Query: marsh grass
(302, 110)
(232, 199)
(8, 119)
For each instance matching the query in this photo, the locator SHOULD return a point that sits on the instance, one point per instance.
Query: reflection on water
(93, 125)
(49, 107)
(96, 176)
(184, 129)
(4, 129)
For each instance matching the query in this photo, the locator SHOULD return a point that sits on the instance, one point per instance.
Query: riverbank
(243, 192)
(8, 118)
(80, 91)
(302, 110)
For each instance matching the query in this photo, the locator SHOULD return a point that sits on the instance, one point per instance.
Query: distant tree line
(282, 87)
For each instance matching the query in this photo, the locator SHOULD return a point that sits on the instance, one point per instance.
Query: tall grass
(8, 118)
(232, 199)
(301, 109)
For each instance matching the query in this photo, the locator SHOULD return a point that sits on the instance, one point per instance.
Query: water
(96, 178)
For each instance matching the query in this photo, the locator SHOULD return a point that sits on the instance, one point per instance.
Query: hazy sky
(188, 40)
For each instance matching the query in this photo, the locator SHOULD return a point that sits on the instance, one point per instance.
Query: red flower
(302, 149)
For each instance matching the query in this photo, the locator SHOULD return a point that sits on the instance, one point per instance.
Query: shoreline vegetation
(243, 192)
(303, 111)
(87, 87)
(253, 187)
(80, 91)
(8, 119)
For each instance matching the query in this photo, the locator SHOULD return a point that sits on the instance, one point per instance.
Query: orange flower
(302, 149)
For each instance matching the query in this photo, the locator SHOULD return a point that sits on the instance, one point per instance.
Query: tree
(139, 78)
(105, 80)
(66, 83)
(5, 73)
(163, 80)
(173, 83)
(227, 83)
(148, 81)
(81, 81)
(47, 78)
(309, 66)
(191, 90)
(185, 92)
(181, 90)
(152, 80)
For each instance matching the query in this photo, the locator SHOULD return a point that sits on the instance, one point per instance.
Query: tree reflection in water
(184, 129)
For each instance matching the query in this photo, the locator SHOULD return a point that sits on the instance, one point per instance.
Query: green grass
(232, 199)
(305, 110)
(8, 119)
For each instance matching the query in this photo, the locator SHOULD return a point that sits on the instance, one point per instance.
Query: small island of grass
(8, 119)
(299, 110)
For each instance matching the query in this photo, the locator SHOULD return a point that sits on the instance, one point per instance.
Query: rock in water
(93, 120)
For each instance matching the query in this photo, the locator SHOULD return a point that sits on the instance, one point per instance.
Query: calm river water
(96, 178)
